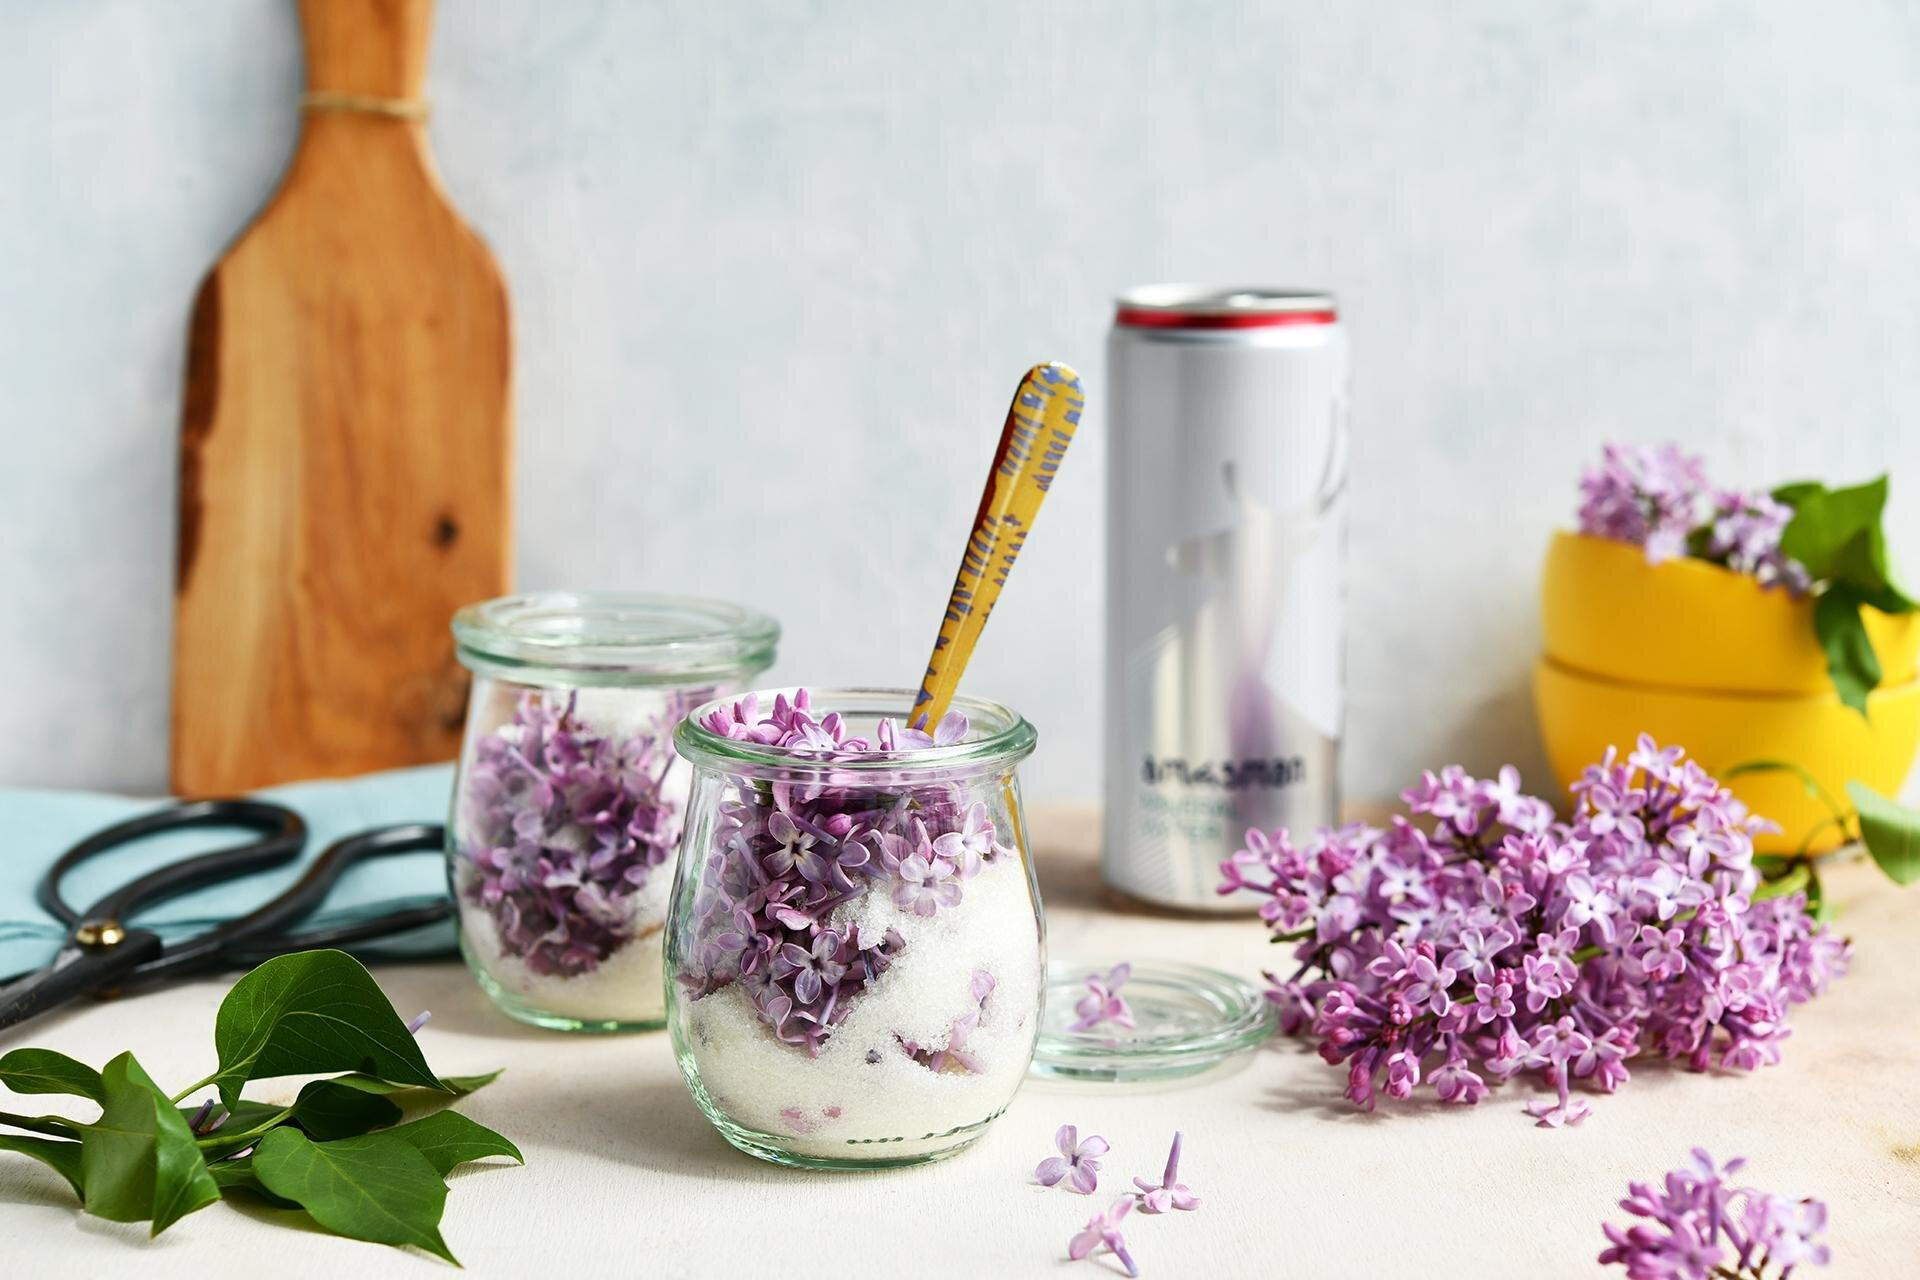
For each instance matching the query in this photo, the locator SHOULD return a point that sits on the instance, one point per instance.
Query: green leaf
(1700, 544)
(1890, 831)
(309, 1012)
(1837, 535)
(329, 1109)
(1863, 564)
(455, 1086)
(376, 1187)
(1851, 662)
(139, 1159)
(44, 1071)
(237, 1177)
(246, 1122)
(324, 1109)
(464, 1085)
(62, 1157)
(1826, 520)
(1797, 492)
(448, 1139)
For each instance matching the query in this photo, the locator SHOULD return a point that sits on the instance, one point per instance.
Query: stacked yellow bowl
(1706, 659)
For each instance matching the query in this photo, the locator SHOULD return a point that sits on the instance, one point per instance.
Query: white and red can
(1227, 461)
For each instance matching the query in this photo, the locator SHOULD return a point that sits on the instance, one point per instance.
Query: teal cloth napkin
(37, 826)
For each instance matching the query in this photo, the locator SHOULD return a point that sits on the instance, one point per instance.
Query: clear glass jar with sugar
(855, 953)
(569, 800)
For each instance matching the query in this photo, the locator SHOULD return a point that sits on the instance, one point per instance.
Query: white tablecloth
(624, 1176)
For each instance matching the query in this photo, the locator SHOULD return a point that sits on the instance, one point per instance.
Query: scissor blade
(76, 971)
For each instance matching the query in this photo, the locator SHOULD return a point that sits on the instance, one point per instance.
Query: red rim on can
(1180, 306)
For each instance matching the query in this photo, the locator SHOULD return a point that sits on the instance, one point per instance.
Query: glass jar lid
(613, 638)
(1187, 1018)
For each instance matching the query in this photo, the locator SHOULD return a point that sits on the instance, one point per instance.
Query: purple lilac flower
(1103, 1001)
(1745, 536)
(1658, 498)
(792, 859)
(1104, 1229)
(1170, 1193)
(925, 882)
(951, 729)
(1554, 951)
(1078, 1162)
(1697, 1226)
(562, 825)
(418, 1021)
(1648, 495)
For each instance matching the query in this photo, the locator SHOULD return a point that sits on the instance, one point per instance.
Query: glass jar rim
(1005, 736)
(614, 637)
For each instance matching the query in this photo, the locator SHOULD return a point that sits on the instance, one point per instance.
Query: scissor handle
(261, 933)
(282, 834)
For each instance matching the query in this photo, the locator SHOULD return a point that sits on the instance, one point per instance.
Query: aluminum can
(1227, 463)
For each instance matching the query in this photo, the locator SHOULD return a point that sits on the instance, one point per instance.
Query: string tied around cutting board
(365, 104)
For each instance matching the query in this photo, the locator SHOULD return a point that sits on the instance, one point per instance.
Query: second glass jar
(855, 953)
(569, 801)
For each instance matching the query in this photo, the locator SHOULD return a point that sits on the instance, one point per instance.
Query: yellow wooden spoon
(1040, 424)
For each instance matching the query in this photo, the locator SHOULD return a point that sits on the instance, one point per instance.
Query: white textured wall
(775, 267)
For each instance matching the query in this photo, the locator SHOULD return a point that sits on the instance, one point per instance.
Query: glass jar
(855, 958)
(569, 800)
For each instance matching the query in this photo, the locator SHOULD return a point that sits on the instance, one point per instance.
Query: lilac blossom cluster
(790, 855)
(1494, 942)
(1697, 1226)
(561, 826)
(1659, 498)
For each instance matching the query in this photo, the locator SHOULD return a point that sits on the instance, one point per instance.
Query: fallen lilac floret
(1103, 1002)
(1170, 1193)
(1104, 1229)
(1697, 1226)
(204, 1120)
(418, 1021)
(1078, 1162)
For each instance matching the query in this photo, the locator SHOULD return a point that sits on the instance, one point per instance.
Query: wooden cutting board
(344, 477)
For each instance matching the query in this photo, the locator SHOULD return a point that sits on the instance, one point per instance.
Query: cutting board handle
(372, 47)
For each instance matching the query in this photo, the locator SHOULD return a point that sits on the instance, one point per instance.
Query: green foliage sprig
(1836, 535)
(339, 1152)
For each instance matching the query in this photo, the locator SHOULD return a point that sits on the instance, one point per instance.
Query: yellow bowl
(1581, 716)
(1687, 624)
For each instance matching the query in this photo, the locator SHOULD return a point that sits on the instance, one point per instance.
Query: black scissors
(104, 955)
